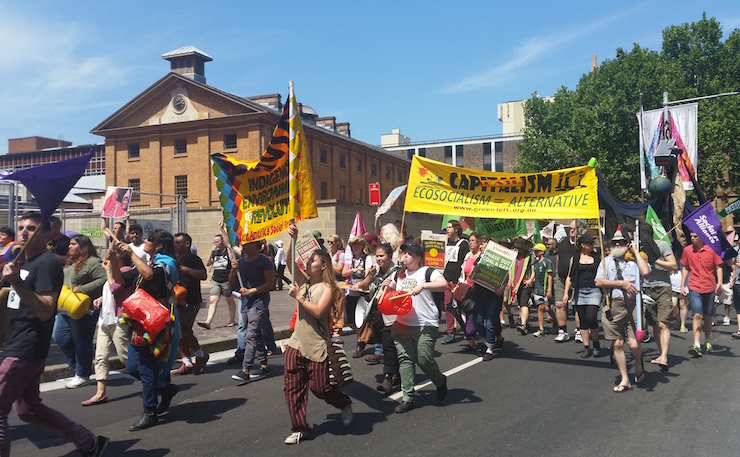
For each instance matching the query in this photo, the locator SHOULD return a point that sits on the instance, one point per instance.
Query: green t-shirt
(541, 270)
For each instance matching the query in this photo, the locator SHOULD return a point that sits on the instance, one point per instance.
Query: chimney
(189, 62)
(343, 129)
(594, 65)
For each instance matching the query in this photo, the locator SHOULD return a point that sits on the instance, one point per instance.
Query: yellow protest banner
(438, 188)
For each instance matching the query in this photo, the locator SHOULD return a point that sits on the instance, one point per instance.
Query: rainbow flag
(260, 198)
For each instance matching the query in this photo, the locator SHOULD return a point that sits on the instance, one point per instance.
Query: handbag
(180, 294)
(461, 291)
(340, 372)
(146, 310)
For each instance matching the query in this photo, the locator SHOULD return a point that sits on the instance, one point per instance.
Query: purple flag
(705, 223)
(51, 182)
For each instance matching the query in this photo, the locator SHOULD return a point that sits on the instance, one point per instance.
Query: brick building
(161, 140)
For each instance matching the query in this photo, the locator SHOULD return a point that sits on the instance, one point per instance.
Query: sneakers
(562, 336)
(726, 321)
(499, 343)
(358, 352)
(587, 352)
(260, 372)
(488, 356)
(539, 333)
(101, 443)
(77, 381)
(577, 337)
(512, 324)
(200, 364)
(522, 329)
(450, 338)
(736, 335)
(295, 438)
(442, 390)
(404, 407)
(374, 359)
(708, 348)
(347, 415)
(684, 329)
(241, 376)
(695, 350)
(183, 370)
(235, 360)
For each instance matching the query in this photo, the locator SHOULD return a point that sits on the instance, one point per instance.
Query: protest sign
(494, 266)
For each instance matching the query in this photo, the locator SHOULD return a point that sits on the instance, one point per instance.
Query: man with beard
(617, 274)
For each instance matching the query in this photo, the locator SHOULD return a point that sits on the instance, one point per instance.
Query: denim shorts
(589, 296)
(701, 303)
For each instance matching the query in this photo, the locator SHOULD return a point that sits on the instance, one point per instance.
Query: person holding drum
(84, 276)
(415, 332)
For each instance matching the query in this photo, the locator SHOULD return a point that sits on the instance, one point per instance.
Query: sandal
(663, 366)
(231, 324)
(621, 388)
(204, 325)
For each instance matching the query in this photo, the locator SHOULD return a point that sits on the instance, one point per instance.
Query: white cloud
(532, 49)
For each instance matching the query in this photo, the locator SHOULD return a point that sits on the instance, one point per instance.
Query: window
(230, 141)
(324, 190)
(409, 154)
(499, 151)
(359, 195)
(387, 173)
(448, 155)
(181, 186)
(342, 192)
(323, 156)
(422, 152)
(400, 177)
(459, 156)
(487, 156)
(135, 184)
(181, 146)
(133, 151)
(342, 161)
(373, 169)
(359, 166)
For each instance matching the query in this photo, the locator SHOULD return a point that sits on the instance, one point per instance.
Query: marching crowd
(548, 278)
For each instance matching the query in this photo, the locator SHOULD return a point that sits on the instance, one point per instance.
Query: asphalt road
(535, 398)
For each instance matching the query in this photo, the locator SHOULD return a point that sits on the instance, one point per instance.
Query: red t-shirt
(701, 265)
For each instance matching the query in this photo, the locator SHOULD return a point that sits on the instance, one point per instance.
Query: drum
(74, 305)
(361, 310)
(395, 302)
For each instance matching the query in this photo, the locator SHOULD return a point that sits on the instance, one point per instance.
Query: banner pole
(603, 263)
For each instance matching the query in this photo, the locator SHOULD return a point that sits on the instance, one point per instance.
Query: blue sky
(433, 69)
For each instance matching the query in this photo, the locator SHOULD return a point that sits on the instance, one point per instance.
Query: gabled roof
(153, 90)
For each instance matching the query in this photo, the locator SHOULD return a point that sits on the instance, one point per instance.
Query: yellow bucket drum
(75, 305)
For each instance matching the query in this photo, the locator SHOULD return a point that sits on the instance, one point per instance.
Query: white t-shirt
(366, 265)
(424, 311)
(139, 251)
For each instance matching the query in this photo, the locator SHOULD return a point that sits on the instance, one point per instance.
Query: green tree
(597, 119)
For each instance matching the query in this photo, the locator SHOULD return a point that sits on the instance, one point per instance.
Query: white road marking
(449, 372)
